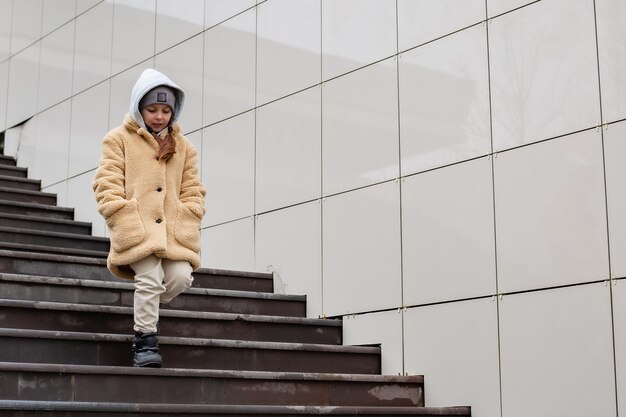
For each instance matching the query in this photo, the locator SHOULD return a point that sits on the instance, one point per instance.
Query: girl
(149, 193)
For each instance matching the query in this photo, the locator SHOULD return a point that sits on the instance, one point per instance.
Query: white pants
(157, 281)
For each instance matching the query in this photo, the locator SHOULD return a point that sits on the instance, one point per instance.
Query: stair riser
(7, 160)
(20, 185)
(7, 170)
(82, 352)
(47, 212)
(227, 282)
(121, 297)
(83, 321)
(162, 389)
(54, 241)
(46, 226)
(28, 198)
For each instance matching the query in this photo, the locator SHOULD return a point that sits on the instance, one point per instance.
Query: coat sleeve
(108, 183)
(192, 191)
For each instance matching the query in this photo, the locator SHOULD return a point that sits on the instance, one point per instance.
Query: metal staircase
(230, 345)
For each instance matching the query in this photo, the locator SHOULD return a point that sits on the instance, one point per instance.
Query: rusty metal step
(88, 383)
(53, 239)
(7, 160)
(39, 315)
(19, 183)
(109, 409)
(27, 196)
(94, 268)
(72, 290)
(34, 209)
(80, 348)
(13, 171)
(41, 223)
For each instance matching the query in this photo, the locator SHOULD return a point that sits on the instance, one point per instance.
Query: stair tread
(129, 286)
(210, 373)
(9, 246)
(229, 409)
(51, 305)
(188, 341)
(28, 192)
(36, 205)
(43, 219)
(19, 179)
(53, 234)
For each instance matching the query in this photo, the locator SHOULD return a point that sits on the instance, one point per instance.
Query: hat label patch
(162, 97)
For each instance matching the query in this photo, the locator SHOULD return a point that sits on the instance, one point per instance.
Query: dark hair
(167, 146)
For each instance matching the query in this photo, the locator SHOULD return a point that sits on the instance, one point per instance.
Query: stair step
(27, 196)
(109, 409)
(8, 246)
(44, 224)
(13, 171)
(88, 383)
(53, 239)
(20, 183)
(7, 160)
(70, 317)
(79, 348)
(33, 263)
(72, 290)
(34, 209)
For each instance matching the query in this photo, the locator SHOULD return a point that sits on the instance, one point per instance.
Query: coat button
(159, 189)
(159, 220)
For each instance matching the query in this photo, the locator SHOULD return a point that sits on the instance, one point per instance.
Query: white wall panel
(288, 151)
(229, 78)
(55, 71)
(361, 250)
(56, 13)
(444, 101)
(177, 20)
(360, 128)
(448, 234)
(4, 89)
(557, 354)
(496, 7)
(289, 50)
(229, 246)
(90, 120)
(51, 153)
(550, 213)
(183, 65)
(420, 21)
(133, 33)
(356, 33)
(455, 347)
(92, 50)
(614, 151)
(27, 142)
(228, 169)
(84, 5)
(80, 196)
(6, 14)
(26, 23)
(60, 189)
(544, 76)
(23, 82)
(288, 243)
(383, 328)
(611, 23)
(216, 11)
(121, 87)
(619, 326)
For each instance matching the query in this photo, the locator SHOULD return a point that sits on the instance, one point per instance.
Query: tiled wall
(449, 176)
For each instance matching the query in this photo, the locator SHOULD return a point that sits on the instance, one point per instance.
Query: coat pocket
(125, 227)
(187, 228)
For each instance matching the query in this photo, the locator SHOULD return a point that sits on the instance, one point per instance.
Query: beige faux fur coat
(150, 206)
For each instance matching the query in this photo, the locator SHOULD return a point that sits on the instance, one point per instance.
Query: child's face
(156, 116)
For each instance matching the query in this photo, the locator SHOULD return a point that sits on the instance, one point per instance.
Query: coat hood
(149, 79)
